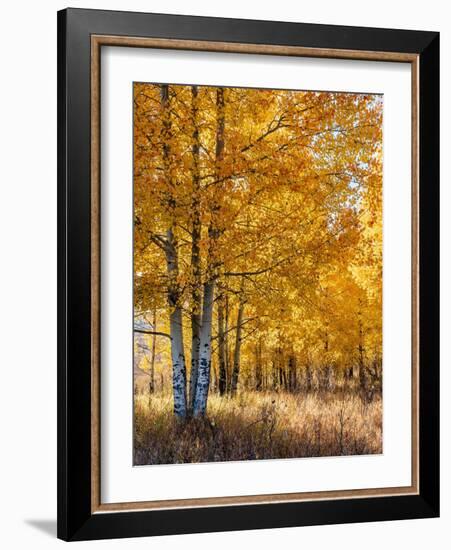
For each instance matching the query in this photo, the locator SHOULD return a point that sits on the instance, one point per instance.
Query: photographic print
(257, 273)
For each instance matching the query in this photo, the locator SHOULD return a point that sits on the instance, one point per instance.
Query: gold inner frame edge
(97, 41)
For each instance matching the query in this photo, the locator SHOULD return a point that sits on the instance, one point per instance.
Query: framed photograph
(248, 274)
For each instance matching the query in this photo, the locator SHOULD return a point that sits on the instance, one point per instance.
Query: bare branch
(155, 332)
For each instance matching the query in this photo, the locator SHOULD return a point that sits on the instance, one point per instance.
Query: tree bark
(176, 329)
(152, 353)
(258, 366)
(226, 343)
(237, 351)
(195, 252)
(274, 372)
(292, 378)
(178, 364)
(203, 377)
(221, 349)
(283, 377)
(171, 250)
(308, 377)
(361, 349)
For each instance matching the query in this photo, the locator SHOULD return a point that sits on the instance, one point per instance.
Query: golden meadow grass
(257, 425)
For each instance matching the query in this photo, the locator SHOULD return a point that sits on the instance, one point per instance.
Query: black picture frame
(75, 518)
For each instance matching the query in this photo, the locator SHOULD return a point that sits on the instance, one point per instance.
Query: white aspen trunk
(195, 350)
(176, 329)
(214, 231)
(203, 376)
(195, 251)
(178, 363)
(175, 310)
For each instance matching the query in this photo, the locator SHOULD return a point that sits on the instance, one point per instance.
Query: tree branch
(155, 332)
(271, 129)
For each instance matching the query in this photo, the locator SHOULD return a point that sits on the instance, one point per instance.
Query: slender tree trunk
(258, 366)
(195, 252)
(221, 349)
(378, 368)
(226, 343)
(195, 350)
(362, 373)
(292, 384)
(152, 353)
(280, 363)
(308, 377)
(178, 364)
(283, 377)
(203, 378)
(176, 329)
(274, 372)
(237, 351)
(175, 317)
(214, 230)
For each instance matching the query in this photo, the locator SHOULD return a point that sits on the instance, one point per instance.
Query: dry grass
(258, 426)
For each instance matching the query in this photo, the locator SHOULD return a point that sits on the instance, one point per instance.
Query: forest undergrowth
(258, 425)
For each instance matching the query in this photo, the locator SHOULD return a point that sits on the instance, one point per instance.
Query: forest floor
(258, 425)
